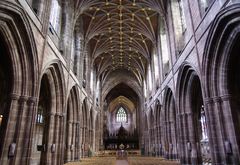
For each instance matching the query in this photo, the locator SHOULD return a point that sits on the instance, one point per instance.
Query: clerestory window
(55, 16)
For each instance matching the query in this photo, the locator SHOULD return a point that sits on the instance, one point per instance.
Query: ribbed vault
(121, 101)
(122, 90)
(120, 34)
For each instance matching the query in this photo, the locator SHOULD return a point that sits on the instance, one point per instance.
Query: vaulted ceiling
(121, 101)
(120, 34)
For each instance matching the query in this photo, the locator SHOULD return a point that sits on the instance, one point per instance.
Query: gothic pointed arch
(49, 116)
(54, 71)
(193, 137)
(221, 83)
(13, 26)
(19, 78)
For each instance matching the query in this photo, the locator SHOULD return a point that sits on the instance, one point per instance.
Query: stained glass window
(121, 115)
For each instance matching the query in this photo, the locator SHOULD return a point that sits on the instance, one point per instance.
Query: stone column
(187, 158)
(69, 138)
(160, 140)
(167, 137)
(62, 138)
(164, 138)
(77, 141)
(73, 145)
(20, 154)
(157, 140)
(230, 106)
(94, 140)
(192, 133)
(149, 141)
(216, 124)
(182, 148)
(84, 141)
(171, 140)
(57, 139)
(47, 155)
(11, 125)
(81, 141)
(173, 145)
(29, 128)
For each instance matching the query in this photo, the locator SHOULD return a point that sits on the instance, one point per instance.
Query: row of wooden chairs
(114, 153)
(131, 160)
(95, 161)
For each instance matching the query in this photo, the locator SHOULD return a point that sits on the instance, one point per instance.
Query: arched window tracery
(121, 115)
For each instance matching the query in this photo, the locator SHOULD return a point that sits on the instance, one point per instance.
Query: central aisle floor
(121, 162)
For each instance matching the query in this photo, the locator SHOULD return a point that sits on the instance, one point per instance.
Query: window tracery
(121, 115)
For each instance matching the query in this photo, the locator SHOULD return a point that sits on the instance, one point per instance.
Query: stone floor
(130, 161)
(121, 162)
